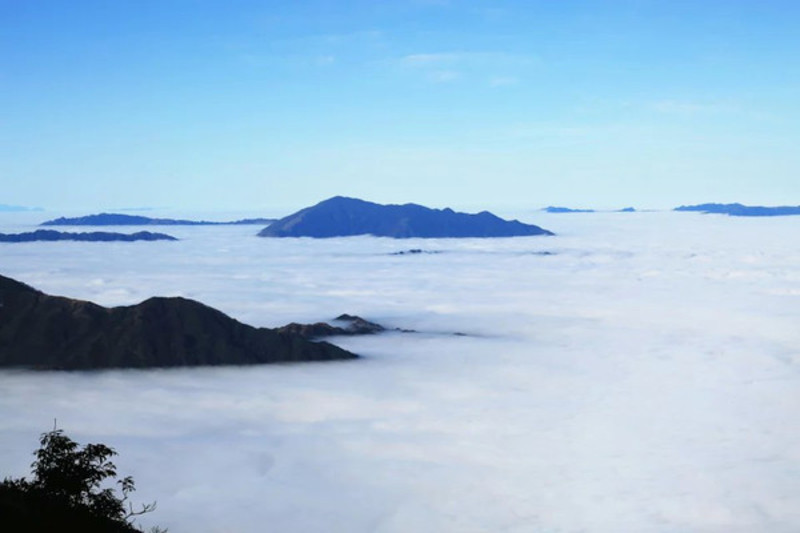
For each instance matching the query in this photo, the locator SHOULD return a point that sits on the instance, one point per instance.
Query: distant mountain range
(557, 209)
(94, 236)
(739, 210)
(116, 219)
(51, 332)
(340, 217)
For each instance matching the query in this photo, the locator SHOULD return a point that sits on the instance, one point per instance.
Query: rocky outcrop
(50, 332)
(340, 217)
(415, 251)
(94, 236)
(349, 325)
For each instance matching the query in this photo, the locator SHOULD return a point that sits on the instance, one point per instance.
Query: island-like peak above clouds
(739, 210)
(51, 332)
(340, 217)
(117, 219)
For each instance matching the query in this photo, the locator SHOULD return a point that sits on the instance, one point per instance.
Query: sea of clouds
(636, 372)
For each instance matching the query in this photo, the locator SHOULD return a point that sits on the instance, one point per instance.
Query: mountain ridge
(93, 236)
(53, 332)
(342, 216)
(740, 210)
(118, 219)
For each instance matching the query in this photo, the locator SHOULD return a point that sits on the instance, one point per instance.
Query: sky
(644, 376)
(278, 105)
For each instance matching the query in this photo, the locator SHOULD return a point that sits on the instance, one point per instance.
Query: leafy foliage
(67, 491)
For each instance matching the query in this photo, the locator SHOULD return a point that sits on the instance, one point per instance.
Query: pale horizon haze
(278, 105)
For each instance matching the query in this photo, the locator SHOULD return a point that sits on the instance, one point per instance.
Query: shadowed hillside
(51, 332)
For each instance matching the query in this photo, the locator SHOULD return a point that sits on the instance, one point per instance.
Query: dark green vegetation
(115, 219)
(739, 210)
(67, 492)
(94, 236)
(50, 332)
(342, 217)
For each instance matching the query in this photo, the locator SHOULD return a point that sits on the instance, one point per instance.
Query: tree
(67, 491)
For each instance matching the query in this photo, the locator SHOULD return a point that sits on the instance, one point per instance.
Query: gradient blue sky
(237, 104)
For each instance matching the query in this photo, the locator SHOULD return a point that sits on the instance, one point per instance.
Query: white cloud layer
(643, 378)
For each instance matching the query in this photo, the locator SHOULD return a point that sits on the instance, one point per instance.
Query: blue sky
(227, 105)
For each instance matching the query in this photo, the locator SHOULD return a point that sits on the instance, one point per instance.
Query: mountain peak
(342, 216)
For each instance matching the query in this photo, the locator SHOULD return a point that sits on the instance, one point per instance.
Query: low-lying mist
(640, 376)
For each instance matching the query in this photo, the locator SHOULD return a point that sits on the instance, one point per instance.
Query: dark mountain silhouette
(51, 332)
(739, 210)
(347, 325)
(340, 216)
(116, 219)
(95, 236)
(350, 325)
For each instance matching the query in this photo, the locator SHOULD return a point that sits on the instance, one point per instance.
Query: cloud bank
(641, 377)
